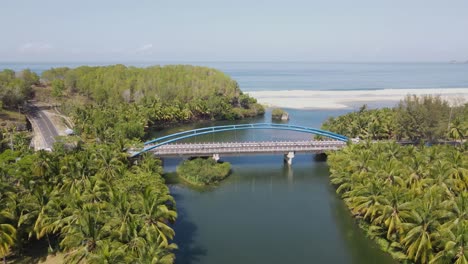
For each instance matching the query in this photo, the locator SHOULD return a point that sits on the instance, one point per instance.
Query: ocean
(276, 76)
(304, 85)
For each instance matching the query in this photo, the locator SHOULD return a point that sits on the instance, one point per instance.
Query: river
(267, 212)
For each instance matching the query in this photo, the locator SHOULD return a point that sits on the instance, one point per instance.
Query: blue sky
(241, 30)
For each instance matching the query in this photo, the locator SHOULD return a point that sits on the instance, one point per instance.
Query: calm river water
(266, 212)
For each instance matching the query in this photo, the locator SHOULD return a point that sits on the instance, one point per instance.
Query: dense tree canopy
(90, 202)
(16, 88)
(413, 200)
(425, 118)
(202, 92)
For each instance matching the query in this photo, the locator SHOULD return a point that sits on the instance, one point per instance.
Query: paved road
(46, 128)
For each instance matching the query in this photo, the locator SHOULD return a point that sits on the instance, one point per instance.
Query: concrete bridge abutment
(288, 158)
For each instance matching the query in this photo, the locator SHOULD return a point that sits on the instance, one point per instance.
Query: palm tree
(122, 216)
(39, 210)
(108, 252)
(7, 235)
(83, 233)
(109, 163)
(458, 171)
(455, 249)
(389, 171)
(419, 171)
(454, 211)
(395, 209)
(421, 231)
(439, 179)
(365, 200)
(156, 213)
(457, 130)
(44, 165)
(156, 251)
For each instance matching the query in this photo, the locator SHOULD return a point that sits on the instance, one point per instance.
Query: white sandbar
(301, 99)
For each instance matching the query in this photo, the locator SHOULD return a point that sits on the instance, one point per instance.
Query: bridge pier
(216, 157)
(289, 157)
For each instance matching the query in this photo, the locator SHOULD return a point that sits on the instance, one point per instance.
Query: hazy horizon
(245, 31)
(229, 61)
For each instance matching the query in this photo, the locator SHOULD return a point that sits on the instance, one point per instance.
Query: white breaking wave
(302, 99)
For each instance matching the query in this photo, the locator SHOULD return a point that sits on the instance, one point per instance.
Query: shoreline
(321, 99)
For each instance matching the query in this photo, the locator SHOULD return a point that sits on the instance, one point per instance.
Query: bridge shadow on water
(186, 231)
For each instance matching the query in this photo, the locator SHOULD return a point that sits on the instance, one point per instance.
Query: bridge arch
(157, 142)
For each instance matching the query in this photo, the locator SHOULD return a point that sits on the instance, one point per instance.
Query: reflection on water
(269, 212)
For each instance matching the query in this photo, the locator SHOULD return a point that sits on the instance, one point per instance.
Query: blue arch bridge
(168, 146)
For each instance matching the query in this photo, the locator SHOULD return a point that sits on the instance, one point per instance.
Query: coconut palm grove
(89, 202)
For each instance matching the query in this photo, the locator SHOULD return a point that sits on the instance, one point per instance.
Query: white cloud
(145, 49)
(35, 47)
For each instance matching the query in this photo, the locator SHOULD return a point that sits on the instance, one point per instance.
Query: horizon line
(222, 61)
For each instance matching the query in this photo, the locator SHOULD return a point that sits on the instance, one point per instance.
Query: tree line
(413, 200)
(426, 118)
(196, 92)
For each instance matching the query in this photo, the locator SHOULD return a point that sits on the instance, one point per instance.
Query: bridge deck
(244, 148)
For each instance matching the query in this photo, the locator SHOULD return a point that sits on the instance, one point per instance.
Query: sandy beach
(301, 99)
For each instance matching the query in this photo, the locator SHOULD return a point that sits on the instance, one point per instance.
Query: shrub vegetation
(277, 113)
(201, 171)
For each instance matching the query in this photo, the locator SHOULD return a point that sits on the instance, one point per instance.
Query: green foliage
(29, 77)
(201, 171)
(415, 198)
(123, 101)
(54, 73)
(277, 113)
(95, 202)
(7, 230)
(16, 140)
(422, 118)
(199, 92)
(366, 124)
(415, 118)
(58, 87)
(14, 91)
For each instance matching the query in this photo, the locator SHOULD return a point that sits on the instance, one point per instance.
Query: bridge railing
(246, 147)
(157, 142)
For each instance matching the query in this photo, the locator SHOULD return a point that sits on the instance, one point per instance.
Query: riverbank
(309, 99)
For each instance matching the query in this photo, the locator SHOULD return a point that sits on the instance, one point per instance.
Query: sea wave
(321, 99)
